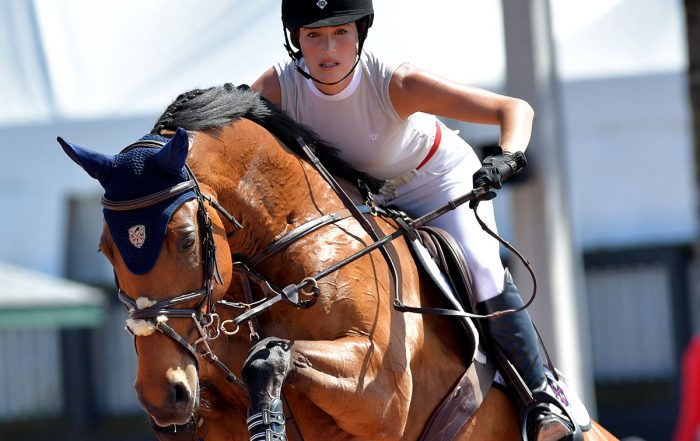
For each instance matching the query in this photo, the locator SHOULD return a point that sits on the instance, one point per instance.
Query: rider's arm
(413, 90)
(268, 85)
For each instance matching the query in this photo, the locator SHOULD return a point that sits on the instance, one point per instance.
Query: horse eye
(187, 242)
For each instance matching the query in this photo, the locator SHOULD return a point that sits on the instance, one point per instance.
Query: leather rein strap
(291, 292)
(406, 226)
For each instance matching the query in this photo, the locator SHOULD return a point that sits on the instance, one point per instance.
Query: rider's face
(330, 53)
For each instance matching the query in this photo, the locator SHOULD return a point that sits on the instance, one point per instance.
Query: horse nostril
(181, 395)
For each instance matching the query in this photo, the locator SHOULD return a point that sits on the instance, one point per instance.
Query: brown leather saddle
(451, 274)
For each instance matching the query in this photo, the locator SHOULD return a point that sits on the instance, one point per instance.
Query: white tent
(81, 59)
(78, 59)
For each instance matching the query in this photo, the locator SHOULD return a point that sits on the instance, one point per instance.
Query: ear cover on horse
(95, 164)
(138, 172)
(172, 157)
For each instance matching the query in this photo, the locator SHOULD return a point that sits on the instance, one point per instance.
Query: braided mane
(207, 110)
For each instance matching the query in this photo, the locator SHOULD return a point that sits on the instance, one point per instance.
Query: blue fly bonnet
(139, 171)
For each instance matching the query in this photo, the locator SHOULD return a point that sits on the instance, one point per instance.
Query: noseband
(207, 323)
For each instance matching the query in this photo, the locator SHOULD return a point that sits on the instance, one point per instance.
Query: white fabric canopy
(98, 73)
(77, 59)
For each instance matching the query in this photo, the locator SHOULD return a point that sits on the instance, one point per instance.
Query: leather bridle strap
(165, 308)
(152, 199)
(222, 211)
(350, 205)
(301, 231)
(162, 309)
(170, 332)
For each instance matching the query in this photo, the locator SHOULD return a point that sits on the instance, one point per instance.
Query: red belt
(434, 147)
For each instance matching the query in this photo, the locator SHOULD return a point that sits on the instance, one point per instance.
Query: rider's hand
(497, 168)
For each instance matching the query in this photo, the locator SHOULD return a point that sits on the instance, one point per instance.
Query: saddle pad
(425, 260)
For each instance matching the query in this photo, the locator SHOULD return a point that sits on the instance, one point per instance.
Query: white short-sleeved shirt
(360, 120)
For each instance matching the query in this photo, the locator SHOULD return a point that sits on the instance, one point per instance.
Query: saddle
(443, 260)
(448, 256)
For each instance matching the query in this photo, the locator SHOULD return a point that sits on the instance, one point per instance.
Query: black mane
(209, 109)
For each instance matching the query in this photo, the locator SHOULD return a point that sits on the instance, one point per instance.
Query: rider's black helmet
(319, 13)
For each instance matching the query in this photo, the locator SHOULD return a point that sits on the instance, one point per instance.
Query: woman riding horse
(380, 116)
(351, 366)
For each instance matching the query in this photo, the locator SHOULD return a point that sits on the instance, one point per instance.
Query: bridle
(207, 323)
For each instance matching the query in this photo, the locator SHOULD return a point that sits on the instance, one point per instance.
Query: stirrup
(541, 397)
(549, 427)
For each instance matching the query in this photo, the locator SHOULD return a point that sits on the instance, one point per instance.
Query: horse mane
(207, 110)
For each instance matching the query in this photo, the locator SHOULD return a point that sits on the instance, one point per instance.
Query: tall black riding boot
(515, 335)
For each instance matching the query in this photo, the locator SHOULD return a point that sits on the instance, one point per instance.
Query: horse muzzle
(174, 403)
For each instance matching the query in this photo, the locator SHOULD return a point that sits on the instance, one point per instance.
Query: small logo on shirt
(374, 136)
(322, 3)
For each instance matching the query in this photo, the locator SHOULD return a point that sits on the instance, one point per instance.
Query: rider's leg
(443, 179)
(515, 336)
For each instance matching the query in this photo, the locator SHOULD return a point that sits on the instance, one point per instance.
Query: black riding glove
(498, 168)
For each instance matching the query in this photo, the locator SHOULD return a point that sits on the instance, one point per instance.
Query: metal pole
(542, 227)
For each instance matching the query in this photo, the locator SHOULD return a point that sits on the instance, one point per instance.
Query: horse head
(172, 262)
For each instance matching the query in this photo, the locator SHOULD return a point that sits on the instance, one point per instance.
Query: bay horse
(189, 223)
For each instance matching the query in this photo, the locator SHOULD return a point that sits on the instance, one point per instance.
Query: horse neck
(269, 190)
(265, 186)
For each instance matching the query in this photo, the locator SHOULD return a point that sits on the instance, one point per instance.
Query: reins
(291, 292)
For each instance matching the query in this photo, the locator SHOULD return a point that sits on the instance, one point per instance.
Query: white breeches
(445, 177)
